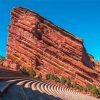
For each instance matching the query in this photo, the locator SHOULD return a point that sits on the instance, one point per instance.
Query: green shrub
(79, 87)
(68, 82)
(93, 89)
(56, 78)
(47, 76)
(31, 72)
(40, 76)
(98, 92)
(73, 84)
(63, 80)
(51, 76)
(88, 87)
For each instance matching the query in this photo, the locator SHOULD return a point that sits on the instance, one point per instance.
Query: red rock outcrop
(96, 63)
(36, 42)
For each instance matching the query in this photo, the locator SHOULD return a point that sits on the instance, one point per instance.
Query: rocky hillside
(36, 42)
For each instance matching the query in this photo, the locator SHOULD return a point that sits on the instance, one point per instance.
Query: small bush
(74, 85)
(31, 72)
(47, 76)
(63, 80)
(79, 87)
(40, 76)
(51, 76)
(68, 82)
(98, 92)
(57, 79)
(93, 89)
(88, 87)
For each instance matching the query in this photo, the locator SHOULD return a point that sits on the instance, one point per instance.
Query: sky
(80, 17)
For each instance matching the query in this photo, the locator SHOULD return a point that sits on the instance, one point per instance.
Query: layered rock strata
(36, 42)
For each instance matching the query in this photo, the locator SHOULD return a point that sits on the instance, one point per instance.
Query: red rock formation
(36, 42)
(96, 63)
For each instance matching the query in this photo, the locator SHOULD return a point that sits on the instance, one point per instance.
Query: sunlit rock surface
(36, 42)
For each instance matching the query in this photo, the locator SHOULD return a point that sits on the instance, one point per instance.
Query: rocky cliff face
(95, 62)
(36, 42)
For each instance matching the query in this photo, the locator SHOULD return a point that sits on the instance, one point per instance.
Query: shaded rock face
(95, 62)
(36, 42)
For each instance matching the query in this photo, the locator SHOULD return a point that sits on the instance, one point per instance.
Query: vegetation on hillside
(51, 76)
(2, 58)
(95, 90)
(29, 72)
(91, 88)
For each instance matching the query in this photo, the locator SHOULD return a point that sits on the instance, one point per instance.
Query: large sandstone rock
(36, 42)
